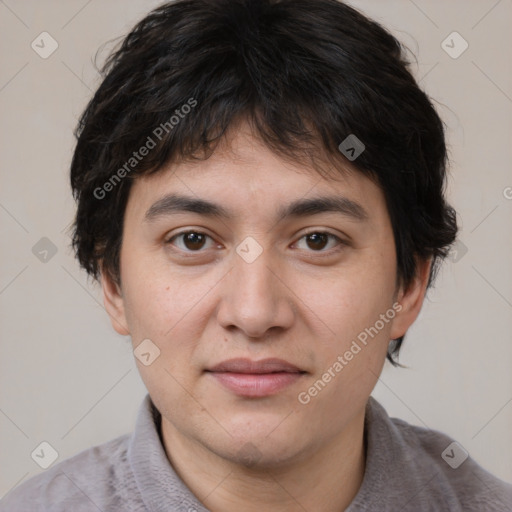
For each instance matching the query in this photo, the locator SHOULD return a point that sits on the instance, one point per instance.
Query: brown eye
(191, 241)
(316, 241)
(194, 241)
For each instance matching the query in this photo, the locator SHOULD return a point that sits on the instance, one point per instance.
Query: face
(272, 310)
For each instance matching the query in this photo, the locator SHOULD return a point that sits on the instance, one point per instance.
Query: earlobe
(411, 299)
(114, 303)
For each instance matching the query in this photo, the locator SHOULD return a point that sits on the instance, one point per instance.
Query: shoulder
(87, 481)
(455, 475)
(411, 468)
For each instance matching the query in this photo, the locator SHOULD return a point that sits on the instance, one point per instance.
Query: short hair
(305, 75)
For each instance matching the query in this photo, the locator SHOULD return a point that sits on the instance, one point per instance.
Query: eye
(318, 240)
(192, 241)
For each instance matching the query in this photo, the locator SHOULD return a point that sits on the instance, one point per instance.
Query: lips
(255, 379)
(271, 365)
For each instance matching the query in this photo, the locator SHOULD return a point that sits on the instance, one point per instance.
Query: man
(260, 192)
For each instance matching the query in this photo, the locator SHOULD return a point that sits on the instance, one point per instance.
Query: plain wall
(67, 378)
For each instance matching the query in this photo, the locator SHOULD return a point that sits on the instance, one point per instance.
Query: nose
(255, 297)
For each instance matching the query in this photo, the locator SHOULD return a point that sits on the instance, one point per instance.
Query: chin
(257, 458)
(258, 450)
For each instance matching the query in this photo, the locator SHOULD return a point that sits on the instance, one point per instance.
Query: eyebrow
(176, 203)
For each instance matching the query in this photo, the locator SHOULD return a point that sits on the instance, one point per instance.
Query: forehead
(244, 177)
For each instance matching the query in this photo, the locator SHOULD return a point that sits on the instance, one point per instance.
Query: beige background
(67, 378)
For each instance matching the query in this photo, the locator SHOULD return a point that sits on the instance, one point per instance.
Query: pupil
(318, 238)
(194, 240)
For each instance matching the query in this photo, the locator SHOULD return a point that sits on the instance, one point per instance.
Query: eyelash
(341, 243)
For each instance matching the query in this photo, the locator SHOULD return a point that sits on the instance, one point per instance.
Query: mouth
(255, 379)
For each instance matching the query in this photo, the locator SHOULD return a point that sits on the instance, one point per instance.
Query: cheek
(148, 299)
(351, 300)
(352, 354)
(163, 305)
(160, 307)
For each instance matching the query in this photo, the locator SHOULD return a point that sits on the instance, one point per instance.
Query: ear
(114, 303)
(411, 299)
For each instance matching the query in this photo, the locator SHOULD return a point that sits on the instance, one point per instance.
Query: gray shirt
(408, 468)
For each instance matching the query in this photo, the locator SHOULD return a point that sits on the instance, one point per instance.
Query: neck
(325, 480)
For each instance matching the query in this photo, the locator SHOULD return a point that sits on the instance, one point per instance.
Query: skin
(300, 301)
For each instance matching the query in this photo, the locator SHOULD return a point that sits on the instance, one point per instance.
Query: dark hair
(305, 74)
